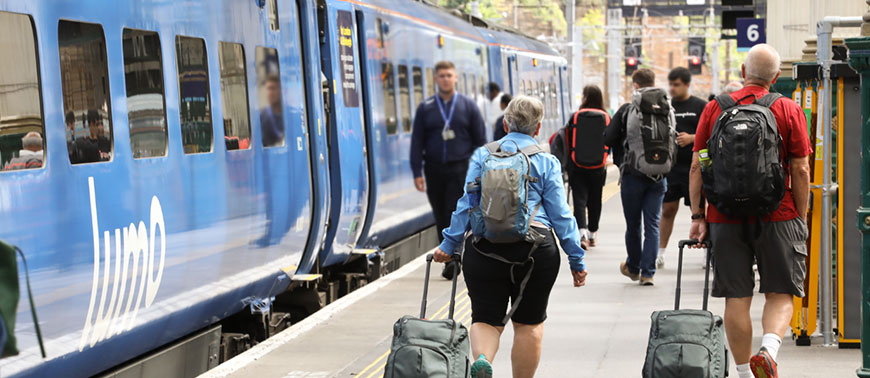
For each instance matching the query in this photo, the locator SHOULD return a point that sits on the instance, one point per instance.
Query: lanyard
(444, 116)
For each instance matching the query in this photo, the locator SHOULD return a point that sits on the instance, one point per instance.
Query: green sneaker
(481, 368)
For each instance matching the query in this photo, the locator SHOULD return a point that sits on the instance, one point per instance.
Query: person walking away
(765, 222)
(645, 129)
(687, 111)
(499, 129)
(513, 259)
(447, 128)
(494, 110)
(585, 162)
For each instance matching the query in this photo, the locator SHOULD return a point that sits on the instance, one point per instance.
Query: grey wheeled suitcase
(687, 343)
(424, 348)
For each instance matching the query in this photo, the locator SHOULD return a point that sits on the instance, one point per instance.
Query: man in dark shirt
(447, 128)
(687, 110)
(499, 129)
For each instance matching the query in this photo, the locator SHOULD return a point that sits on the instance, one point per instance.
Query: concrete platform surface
(599, 330)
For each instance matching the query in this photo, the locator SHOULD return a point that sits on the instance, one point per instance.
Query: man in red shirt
(778, 243)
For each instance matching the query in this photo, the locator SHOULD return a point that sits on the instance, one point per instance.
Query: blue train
(169, 166)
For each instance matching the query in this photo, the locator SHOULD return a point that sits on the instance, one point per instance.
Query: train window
(273, 14)
(417, 75)
(193, 95)
(430, 82)
(234, 92)
(404, 98)
(22, 130)
(146, 110)
(522, 87)
(269, 97)
(389, 97)
(84, 76)
(465, 85)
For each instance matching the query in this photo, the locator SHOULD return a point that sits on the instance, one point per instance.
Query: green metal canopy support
(859, 59)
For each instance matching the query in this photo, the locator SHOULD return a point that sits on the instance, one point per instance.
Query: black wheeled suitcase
(687, 343)
(424, 348)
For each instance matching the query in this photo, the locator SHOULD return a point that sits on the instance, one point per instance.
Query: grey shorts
(780, 251)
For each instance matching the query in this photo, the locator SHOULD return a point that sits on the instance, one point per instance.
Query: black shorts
(780, 251)
(678, 187)
(491, 284)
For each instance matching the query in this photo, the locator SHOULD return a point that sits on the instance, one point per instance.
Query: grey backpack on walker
(650, 133)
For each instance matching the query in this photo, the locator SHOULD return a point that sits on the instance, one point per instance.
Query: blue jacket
(554, 213)
(426, 139)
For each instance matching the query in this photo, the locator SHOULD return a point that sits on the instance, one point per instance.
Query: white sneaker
(660, 262)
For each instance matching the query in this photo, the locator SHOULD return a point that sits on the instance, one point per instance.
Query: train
(206, 165)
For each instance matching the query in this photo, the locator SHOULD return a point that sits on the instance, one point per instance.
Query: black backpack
(584, 139)
(746, 178)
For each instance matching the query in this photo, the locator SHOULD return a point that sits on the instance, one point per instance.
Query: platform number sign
(750, 32)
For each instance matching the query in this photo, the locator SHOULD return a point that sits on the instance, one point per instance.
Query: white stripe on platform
(309, 323)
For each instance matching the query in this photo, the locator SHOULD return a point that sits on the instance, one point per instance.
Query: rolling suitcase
(424, 348)
(687, 343)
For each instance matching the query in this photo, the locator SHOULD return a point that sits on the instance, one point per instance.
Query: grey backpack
(430, 348)
(650, 140)
(687, 343)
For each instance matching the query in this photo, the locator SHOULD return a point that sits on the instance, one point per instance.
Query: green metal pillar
(859, 59)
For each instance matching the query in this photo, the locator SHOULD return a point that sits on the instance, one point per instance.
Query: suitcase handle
(458, 260)
(709, 255)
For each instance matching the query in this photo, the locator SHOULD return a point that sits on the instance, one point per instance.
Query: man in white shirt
(494, 109)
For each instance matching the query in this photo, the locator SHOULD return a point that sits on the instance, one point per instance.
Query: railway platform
(599, 330)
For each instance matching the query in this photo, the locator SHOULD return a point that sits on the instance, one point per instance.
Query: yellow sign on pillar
(803, 321)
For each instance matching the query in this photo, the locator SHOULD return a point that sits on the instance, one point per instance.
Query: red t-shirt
(792, 125)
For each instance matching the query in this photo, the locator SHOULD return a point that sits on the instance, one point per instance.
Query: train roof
(460, 24)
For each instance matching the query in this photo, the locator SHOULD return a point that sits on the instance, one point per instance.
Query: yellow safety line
(610, 190)
(374, 363)
(444, 308)
(463, 315)
(379, 370)
(461, 308)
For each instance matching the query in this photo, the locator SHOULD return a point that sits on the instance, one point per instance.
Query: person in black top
(447, 129)
(687, 109)
(499, 129)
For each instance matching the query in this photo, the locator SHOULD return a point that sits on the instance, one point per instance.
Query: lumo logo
(139, 242)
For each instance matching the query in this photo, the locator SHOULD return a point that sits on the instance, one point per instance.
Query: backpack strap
(532, 149)
(492, 147)
(725, 101)
(768, 99)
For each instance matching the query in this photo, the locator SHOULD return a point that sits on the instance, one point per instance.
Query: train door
(348, 166)
(512, 73)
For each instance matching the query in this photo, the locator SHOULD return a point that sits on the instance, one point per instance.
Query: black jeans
(444, 187)
(586, 187)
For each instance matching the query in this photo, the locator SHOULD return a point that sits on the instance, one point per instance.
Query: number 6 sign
(750, 32)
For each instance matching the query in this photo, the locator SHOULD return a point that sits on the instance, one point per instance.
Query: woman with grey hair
(491, 282)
